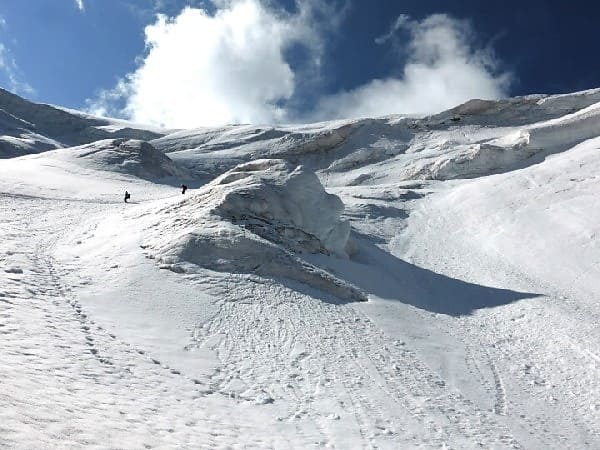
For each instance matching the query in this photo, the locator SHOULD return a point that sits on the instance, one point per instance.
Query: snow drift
(256, 218)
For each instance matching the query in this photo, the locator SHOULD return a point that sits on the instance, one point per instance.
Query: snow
(134, 157)
(28, 128)
(257, 218)
(234, 315)
(293, 198)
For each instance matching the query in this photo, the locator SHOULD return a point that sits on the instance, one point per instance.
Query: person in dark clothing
(183, 188)
(127, 196)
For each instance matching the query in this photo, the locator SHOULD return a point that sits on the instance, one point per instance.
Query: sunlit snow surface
(234, 315)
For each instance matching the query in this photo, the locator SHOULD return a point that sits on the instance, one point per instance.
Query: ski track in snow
(315, 350)
(330, 376)
(66, 382)
(333, 377)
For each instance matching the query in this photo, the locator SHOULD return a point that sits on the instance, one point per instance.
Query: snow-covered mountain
(394, 282)
(27, 127)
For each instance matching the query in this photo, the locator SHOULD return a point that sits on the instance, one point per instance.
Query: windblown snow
(394, 282)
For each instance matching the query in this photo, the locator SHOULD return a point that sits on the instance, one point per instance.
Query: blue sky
(191, 63)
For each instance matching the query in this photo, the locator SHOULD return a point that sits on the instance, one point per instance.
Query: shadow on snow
(380, 273)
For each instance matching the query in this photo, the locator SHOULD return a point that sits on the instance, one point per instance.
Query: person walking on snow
(183, 188)
(127, 196)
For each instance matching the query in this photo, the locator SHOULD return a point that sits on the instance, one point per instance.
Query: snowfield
(396, 282)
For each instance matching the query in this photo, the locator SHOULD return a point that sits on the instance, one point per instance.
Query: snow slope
(27, 127)
(234, 316)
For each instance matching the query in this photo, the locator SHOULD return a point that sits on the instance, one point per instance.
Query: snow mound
(259, 218)
(132, 157)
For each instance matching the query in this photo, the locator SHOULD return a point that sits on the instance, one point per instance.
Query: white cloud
(10, 75)
(402, 21)
(80, 5)
(203, 69)
(442, 70)
(10, 72)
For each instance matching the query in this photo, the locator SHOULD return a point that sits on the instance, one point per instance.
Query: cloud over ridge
(443, 69)
(202, 69)
(208, 70)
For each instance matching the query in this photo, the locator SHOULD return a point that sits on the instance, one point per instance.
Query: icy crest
(283, 203)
